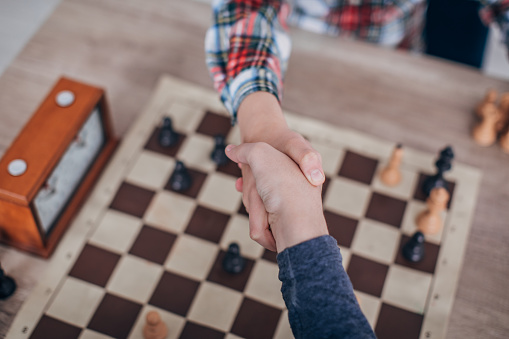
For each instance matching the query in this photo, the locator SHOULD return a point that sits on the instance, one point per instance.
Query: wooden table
(421, 102)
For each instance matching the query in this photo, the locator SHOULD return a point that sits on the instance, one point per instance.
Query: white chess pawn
(430, 222)
(391, 175)
(485, 133)
(154, 327)
(489, 100)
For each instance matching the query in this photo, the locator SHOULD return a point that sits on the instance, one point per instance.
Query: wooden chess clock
(47, 172)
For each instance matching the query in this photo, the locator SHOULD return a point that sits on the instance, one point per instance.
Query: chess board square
(358, 167)
(207, 224)
(173, 322)
(237, 231)
(115, 316)
(394, 322)
(89, 334)
(366, 275)
(191, 257)
(347, 197)
(214, 124)
(151, 170)
(429, 261)
(386, 209)
(169, 211)
(195, 153)
(403, 190)
(153, 144)
(185, 116)
(346, 254)
(134, 278)
(407, 288)
(197, 178)
(85, 298)
(325, 186)
(174, 293)
(409, 225)
(49, 327)
(153, 244)
(256, 320)
(132, 199)
(230, 168)
(264, 285)
(370, 307)
(116, 231)
(193, 331)
(283, 330)
(94, 265)
(341, 228)
(376, 241)
(235, 281)
(331, 157)
(270, 256)
(227, 201)
(419, 194)
(215, 306)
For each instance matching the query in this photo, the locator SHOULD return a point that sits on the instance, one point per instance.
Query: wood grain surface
(124, 46)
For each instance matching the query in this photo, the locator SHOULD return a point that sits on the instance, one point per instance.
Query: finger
(258, 224)
(308, 159)
(238, 153)
(239, 183)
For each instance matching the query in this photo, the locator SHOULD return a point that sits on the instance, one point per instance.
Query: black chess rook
(180, 179)
(233, 262)
(443, 164)
(218, 154)
(167, 136)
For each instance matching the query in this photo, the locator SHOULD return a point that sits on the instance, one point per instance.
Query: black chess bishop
(443, 164)
(218, 154)
(413, 250)
(7, 285)
(167, 136)
(233, 262)
(180, 179)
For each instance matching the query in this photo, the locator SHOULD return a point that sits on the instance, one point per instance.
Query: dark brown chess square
(194, 331)
(270, 256)
(115, 316)
(367, 276)
(394, 322)
(429, 261)
(132, 199)
(49, 327)
(255, 320)
(153, 144)
(174, 293)
(419, 194)
(358, 167)
(197, 177)
(231, 168)
(214, 124)
(153, 244)
(236, 281)
(207, 224)
(94, 265)
(386, 209)
(341, 228)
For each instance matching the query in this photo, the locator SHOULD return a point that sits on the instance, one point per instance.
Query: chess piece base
(7, 287)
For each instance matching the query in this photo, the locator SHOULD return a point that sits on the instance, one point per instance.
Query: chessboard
(138, 246)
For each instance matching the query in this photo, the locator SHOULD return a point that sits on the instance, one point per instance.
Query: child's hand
(292, 207)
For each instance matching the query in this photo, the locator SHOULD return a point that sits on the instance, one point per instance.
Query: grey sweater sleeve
(318, 293)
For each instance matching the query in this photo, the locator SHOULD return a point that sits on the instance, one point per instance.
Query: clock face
(67, 175)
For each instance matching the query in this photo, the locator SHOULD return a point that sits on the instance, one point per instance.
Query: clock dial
(67, 175)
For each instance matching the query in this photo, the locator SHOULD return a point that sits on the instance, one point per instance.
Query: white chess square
(134, 278)
(116, 231)
(170, 211)
(370, 307)
(263, 284)
(85, 299)
(347, 197)
(89, 334)
(192, 257)
(184, 116)
(283, 330)
(173, 322)
(224, 302)
(237, 231)
(376, 241)
(195, 152)
(219, 193)
(331, 158)
(346, 254)
(151, 170)
(407, 288)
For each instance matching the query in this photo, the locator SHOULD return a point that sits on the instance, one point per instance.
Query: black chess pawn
(218, 154)
(233, 262)
(180, 179)
(413, 250)
(443, 164)
(167, 136)
(7, 285)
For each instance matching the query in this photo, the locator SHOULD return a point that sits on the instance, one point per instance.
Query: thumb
(308, 159)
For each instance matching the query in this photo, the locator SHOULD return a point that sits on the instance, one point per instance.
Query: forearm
(318, 292)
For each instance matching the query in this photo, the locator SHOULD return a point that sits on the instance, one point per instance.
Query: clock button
(65, 98)
(17, 167)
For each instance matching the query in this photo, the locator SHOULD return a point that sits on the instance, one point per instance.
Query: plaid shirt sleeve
(497, 11)
(247, 49)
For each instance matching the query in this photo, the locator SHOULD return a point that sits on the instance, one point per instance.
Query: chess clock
(51, 166)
